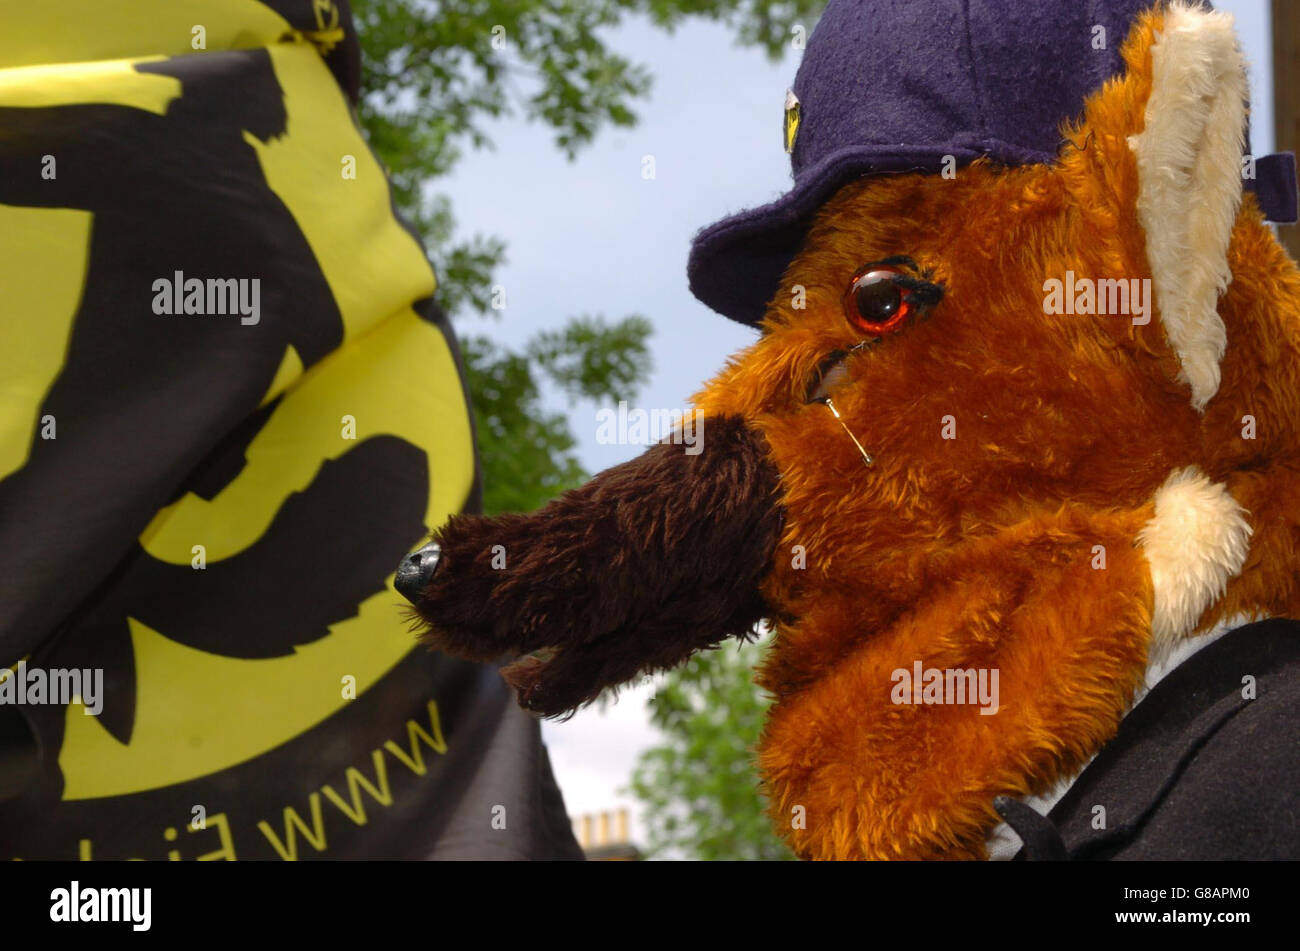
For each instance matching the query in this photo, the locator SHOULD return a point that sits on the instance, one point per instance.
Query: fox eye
(877, 302)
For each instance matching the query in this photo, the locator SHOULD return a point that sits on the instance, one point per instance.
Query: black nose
(416, 569)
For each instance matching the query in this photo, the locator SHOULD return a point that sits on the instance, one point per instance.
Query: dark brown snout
(631, 573)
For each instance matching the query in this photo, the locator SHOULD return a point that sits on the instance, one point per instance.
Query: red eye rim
(854, 315)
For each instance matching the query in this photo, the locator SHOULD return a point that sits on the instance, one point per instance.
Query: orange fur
(978, 551)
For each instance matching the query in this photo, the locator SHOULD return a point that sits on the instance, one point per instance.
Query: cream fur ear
(1189, 182)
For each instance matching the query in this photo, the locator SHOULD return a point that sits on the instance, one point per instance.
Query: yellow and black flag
(228, 408)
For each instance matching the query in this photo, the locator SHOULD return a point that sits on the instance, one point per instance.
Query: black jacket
(1198, 770)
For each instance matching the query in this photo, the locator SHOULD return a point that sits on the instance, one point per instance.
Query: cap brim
(736, 264)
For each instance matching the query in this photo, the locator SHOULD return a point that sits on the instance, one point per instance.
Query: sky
(595, 236)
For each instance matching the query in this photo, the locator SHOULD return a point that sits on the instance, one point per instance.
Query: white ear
(1189, 182)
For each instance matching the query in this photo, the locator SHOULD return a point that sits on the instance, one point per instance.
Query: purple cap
(898, 86)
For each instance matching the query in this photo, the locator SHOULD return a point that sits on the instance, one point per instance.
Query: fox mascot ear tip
(1180, 111)
(1189, 158)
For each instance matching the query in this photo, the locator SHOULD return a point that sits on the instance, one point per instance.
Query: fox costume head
(1037, 420)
